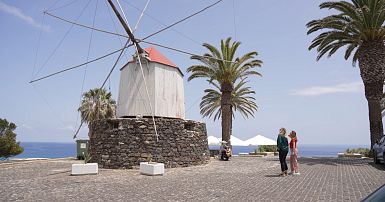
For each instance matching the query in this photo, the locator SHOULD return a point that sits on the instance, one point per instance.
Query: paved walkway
(240, 179)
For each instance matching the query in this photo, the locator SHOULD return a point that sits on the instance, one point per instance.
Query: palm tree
(96, 104)
(223, 70)
(240, 101)
(359, 25)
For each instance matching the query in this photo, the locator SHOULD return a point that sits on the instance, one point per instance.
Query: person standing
(283, 147)
(293, 153)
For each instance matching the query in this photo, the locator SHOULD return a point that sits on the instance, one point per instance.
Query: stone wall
(125, 142)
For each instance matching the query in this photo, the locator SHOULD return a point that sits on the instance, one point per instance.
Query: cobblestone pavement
(240, 179)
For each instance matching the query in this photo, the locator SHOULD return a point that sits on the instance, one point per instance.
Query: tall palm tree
(225, 69)
(96, 104)
(359, 25)
(240, 101)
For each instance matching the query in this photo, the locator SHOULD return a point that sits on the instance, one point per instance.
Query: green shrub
(87, 157)
(8, 145)
(267, 148)
(362, 151)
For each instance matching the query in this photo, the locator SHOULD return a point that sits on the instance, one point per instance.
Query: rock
(105, 157)
(145, 155)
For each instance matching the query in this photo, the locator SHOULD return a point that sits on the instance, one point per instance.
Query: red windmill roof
(155, 56)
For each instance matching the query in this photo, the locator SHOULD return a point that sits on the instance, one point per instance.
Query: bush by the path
(362, 151)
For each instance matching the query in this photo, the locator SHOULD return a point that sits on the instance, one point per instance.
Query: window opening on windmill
(114, 125)
(189, 126)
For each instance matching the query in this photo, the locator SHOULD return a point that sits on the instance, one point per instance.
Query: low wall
(125, 142)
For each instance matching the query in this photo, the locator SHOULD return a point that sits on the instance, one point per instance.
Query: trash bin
(81, 148)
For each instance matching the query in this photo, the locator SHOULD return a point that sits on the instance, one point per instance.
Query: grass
(363, 151)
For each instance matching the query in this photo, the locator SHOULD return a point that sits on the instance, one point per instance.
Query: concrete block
(84, 169)
(151, 168)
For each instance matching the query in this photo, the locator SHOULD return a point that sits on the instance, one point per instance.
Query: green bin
(81, 148)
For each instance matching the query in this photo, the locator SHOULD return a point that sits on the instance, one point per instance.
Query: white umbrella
(260, 140)
(237, 142)
(213, 140)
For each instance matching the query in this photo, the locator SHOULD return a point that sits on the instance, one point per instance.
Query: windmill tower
(164, 84)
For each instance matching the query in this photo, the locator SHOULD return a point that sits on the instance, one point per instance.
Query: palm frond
(241, 101)
(355, 23)
(97, 104)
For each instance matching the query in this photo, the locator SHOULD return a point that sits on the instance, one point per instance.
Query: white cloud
(26, 126)
(321, 90)
(19, 14)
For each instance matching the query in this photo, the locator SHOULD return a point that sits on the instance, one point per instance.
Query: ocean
(47, 150)
(60, 150)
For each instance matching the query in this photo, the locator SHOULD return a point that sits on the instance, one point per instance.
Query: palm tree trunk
(371, 57)
(226, 90)
(231, 121)
(90, 131)
(375, 117)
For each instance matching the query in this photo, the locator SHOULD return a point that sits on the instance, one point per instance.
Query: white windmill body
(164, 84)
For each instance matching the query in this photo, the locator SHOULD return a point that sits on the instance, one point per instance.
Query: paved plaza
(240, 179)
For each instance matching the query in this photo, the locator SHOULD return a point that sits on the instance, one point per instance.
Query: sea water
(61, 150)
(47, 150)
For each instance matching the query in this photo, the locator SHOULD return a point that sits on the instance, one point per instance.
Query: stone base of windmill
(126, 142)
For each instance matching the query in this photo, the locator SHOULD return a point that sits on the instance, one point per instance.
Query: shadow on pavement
(57, 173)
(337, 161)
(273, 175)
(340, 161)
(378, 166)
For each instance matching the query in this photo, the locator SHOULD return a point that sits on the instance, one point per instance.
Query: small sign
(83, 145)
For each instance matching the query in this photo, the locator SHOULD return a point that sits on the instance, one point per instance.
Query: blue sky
(323, 101)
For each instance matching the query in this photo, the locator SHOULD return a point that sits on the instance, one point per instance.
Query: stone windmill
(151, 111)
